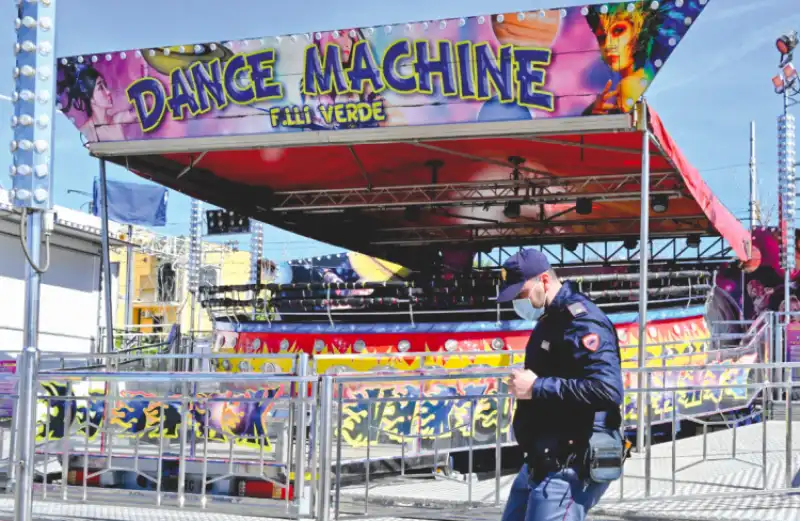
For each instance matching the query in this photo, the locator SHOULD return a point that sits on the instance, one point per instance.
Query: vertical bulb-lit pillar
(33, 98)
(195, 236)
(787, 189)
(31, 151)
(195, 258)
(787, 193)
(256, 250)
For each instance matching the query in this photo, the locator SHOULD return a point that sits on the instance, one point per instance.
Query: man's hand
(521, 383)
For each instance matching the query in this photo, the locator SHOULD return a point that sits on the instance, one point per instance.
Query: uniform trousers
(560, 496)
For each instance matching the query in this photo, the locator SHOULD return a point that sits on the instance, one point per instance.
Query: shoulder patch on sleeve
(591, 341)
(577, 309)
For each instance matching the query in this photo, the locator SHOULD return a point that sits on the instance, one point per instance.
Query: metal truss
(532, 191)
(544, 231)
(711, 249)
(173, 248)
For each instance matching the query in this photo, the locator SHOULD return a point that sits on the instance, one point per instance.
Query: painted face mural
(238, 417)
(502, 67)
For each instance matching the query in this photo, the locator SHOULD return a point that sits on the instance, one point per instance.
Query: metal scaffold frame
(544, 230)
(531, 191)
(713, 250)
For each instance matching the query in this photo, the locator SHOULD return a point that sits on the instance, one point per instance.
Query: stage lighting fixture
(222, 222)
(351, 215)
(693, 241)
(512, 210)
(571, 245)
(659, 203)
(630, 243)
(777, 82)
(786, 44)
(412, 213)
(789, 73)
(583, 206)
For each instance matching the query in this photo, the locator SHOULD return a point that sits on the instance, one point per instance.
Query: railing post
(498, 443)
(764, 405)
(648, 457)
(184, 433)
(300, 436)
(789, 453)
(325, 449)
(777, 358)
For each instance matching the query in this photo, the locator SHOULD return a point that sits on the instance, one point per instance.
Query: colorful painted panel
(549, 63)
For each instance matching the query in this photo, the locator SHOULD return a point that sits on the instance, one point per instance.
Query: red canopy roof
(399, 200)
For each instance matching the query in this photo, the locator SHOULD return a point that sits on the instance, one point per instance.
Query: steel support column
(106, 260)
(32, 180)
(28, 385)
(644, 252)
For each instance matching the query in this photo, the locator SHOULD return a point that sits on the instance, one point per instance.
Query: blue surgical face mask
(526, 311)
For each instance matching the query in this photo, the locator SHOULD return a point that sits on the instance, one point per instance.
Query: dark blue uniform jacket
(574, 352)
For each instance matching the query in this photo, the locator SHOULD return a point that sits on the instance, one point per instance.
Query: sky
(716, 82)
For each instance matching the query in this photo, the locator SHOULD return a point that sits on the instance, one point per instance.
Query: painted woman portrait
(635, 39)
(82, 88)
(625, 39)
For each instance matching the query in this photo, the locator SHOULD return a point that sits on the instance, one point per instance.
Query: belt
(542, 465)
(568, 454)
(602, 419)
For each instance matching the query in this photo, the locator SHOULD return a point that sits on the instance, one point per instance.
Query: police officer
(567, 420)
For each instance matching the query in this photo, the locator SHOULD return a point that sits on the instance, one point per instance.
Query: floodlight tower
(32, 183)
(195, 257)
(787, 84)
(256, 251)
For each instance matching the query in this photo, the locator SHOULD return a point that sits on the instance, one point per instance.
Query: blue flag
(133, 203)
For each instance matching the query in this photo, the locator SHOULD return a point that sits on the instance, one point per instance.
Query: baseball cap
(520, 267)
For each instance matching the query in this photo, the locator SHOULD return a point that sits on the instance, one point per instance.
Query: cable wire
(23, 235)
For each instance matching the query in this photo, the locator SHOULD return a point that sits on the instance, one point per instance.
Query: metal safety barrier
(456, 405)
(97, 435)
(297, 444)
(220, 436)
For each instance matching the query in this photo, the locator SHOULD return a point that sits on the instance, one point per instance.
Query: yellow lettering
(327, 113)
(339, 113)
(352, 113)
(377, 111)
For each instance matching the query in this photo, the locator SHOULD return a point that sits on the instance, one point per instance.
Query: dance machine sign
(465, 71)
(515, 66)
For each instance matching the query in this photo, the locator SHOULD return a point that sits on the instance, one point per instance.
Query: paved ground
(766, 508)
(700, 484)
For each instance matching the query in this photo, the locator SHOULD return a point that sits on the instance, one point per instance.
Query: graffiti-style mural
(423, 417)
(672, 342)
(238, 417)
(409, 409)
